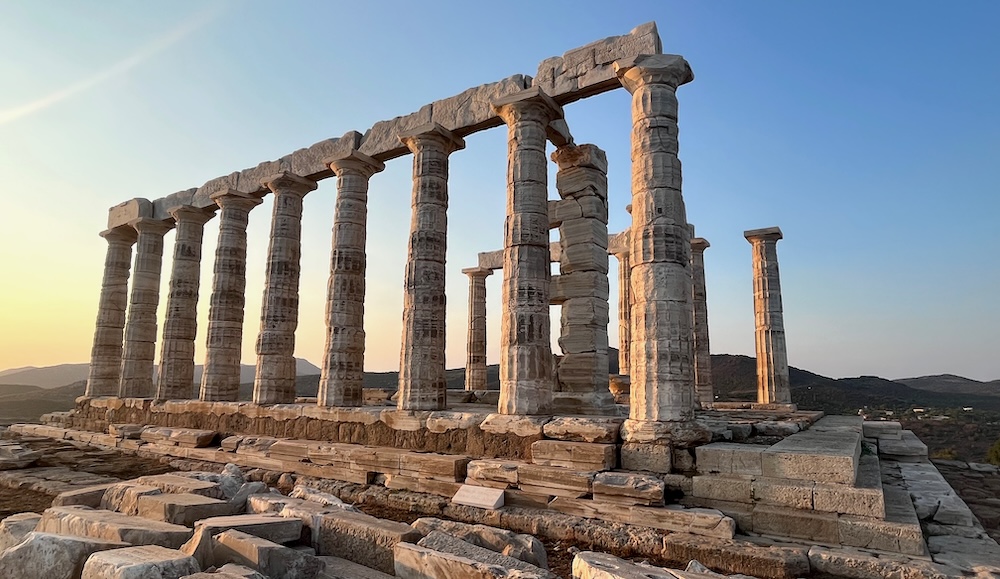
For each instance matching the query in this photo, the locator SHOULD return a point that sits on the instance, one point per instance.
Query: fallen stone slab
(270, 527)
(317, 496)
(579, 429)
(15, 528)
(337, 568)
(181, 509)
(444, 543)
(627, 488)
(493, 472)
(171, 483)
(591, 565)
(415, 562)
(857, 565)
(554, 481)
(50, 556)
(124, 497)
(583, 456)
(89, 496)
(145, 562)
(108, 525)
(267, 557)
(482, 497)
(363, 539)
(522, 547)
(126, 431)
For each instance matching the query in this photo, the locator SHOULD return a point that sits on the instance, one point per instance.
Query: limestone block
(494, 470)
(123, 213)
(578, 429)
(443, 543)
(415, 562)
(471, 111)
(696, 521)
(446, 467)
(735, 488)
(574, 455)
(267, 557)
(144, 562)
(830, 456)
(522, 547)
(100, 524)
(270, 527)
(646, 457)
(382, 140)
(294, 450)
(843, 499)
(843, 563)
(363, 539)
(799, 524)
(677, 483)
(444, 421)
(132, 431)
(337, 568)
(477, 496)
(554, 481)
(626, 488)
(517, 498)
(889, 536)
(171, 483)
(49, 556)
(591, 565)
(192, 437)
(729, 458)
(124, 497)
(581, 284)
(515, 424)
(794, 494)
(181, 509)
(313, 162)
(15, 528)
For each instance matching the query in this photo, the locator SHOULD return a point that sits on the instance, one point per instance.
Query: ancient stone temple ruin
(645, 463)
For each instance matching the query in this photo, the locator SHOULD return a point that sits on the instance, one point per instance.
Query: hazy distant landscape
(935, 407)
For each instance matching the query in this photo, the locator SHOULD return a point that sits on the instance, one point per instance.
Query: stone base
(686, 434)
(580, 403)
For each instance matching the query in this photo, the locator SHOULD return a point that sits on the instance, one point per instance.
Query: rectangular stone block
(793, 494)
(270, 527)
(880, 428)
(865, 499)
(494, 470)
(574, 455)
(729, 458)
(625, 488)
(482, 497)
(646, 457)
(86, 496)
(908, 448)
(444, 467)
(181, 509)
(723, 488)
(363, 539)
(828, 456)
(795, 523)
(267, 557)
(554, 481)
(882, 535)
(697, 521)
(100, 524)
(171, 483)
(139, 562)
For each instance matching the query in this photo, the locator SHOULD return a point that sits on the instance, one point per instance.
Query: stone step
(415, 562)
(908, 448)
(581, 456)
(172, 483)
(826, 453)
(185, 437)
(695, 521)
(108, 525)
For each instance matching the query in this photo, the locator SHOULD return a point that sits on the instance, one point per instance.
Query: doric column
(475, 349)
(136, 377)
(702, 354)
(279, 317)
(662, 376)
(525, 350)
(342, 377)
(772, 358)
(106, 353)
(175, 379)
(624, 311)
(582, 183)
(220, 380)
(422, 383)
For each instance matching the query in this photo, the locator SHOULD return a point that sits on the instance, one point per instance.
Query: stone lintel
(120, 215)
(765, 234)
(530, 95)
(700, 244)
(288, 182)
(452, 141)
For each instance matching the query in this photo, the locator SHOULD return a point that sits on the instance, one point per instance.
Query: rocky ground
(979, 486)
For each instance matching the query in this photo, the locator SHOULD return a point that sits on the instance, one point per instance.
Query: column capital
(699, 244)
(355, 162)
(590, 156)
(149, 225)
(669, 69)
(120, 235)
(418, 137)
(532, 101)
(235, 198)
(191, 214)
(766, 234)
(286, 182)
(482, 272)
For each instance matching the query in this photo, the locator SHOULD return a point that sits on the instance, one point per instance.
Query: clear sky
(868, 131)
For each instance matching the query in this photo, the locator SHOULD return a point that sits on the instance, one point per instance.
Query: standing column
(106, 353)
(279, 317)
(342, 379)
(702, 354)
(220, 380)
(624, 311)
(662, 376)
(422, 383)
(525, 351)
(772, 358)
(176, 376)
(475, 349)
(136, 377)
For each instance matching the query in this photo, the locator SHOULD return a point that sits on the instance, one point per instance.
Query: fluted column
(702, 354)
(136, 377)
(422, 383)
(662, 373)
(624, 311)
(106, 353)
(475, 349)
(525, 351)
(772, 358)
(275, 379)
(342, 377)
(175, 379)
(220, 381)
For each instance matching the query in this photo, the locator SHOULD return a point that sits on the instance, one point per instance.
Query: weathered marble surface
(702, 353)
(475, 350)
(772, 356)
(106, 353)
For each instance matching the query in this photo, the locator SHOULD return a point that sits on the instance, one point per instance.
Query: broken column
(582, 286)
(422, 383)
(106, 353)
(702, 355)
(136, 377)
(176, 375)
(525, 350)
(342, 378)
(662, 374)
(475, 351)
(220, 380)
(275, 379)
(772, 358)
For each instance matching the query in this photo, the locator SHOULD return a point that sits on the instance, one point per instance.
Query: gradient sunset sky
(868, 131)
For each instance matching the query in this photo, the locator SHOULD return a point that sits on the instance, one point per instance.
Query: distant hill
(63, 374)
(951, 384)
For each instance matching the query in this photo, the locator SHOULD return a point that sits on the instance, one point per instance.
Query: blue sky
(867, 131)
